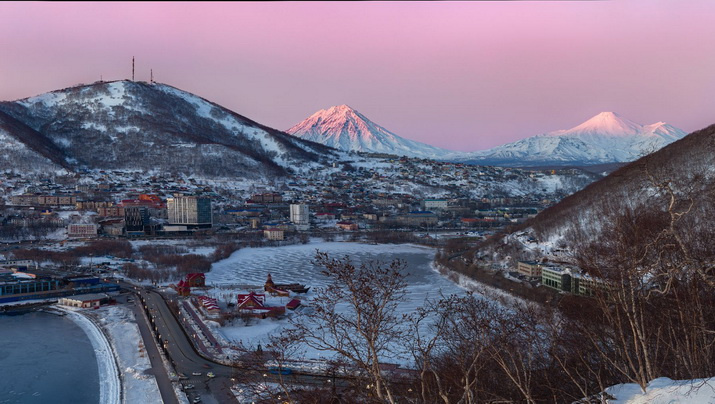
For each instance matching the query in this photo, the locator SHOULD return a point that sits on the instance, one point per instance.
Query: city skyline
(458, 75)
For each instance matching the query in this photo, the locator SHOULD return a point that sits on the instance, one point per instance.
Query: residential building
(274, 234)
(418, 218)
(434, 204)
(82, 230)
(300, 216)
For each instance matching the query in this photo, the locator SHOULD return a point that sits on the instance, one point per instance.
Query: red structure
(293, 304)
(210, 304)
(148, 201)
(183, 289)
(251, 301)
(196, 279)
(253, 304)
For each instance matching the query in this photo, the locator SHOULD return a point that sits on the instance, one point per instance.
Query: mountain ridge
(128, 124)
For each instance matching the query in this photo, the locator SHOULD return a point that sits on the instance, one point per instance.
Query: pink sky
(458, 75)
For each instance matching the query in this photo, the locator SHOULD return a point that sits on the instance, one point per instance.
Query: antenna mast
(132, 68)
(151, 76)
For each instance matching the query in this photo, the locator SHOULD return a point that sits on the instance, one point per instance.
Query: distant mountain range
(145, 126)
(605, 138)
(156, 127)
(346, 129)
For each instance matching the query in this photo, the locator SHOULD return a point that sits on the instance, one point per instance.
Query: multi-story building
(82, 230)
(532, 269)
(274, 234)
(192, 211)
(434, 204)
(43, 200)
(110, 211)
(267, 197)
(586, 285)
(300, 216)
(556, 278)
(136, 218)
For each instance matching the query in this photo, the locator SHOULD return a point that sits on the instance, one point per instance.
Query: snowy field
(249, 268)
(665, 391)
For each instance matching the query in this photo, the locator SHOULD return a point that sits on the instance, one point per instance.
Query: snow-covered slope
(151, 126)
(686, 166)
(605, 138)
(346, 129)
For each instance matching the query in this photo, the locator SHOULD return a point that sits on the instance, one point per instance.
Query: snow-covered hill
(605, 138)
(346, 129)
(153, 127)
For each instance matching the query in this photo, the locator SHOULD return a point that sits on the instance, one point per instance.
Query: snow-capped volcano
(346, 129)
(605, 138)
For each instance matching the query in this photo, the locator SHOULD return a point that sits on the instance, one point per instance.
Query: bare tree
(354, 317)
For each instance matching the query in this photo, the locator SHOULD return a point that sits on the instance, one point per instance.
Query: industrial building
(87, 301)
(21, 286)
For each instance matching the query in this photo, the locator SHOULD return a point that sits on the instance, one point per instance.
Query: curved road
(188, 362)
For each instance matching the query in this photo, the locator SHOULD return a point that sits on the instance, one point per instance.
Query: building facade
(82, 230)
(532, 269)
(556, 278)
(136, 218)
(300, 216)
(434, 204)
(194, 211)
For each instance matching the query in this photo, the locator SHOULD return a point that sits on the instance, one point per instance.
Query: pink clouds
(459, 75)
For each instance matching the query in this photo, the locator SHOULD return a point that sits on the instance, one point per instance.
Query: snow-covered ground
(121, 325)
(665, 391)
(248, 268)
(126, 349)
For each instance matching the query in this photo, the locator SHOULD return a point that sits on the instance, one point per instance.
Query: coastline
(110, 384)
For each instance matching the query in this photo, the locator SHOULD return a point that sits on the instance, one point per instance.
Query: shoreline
(110, 383)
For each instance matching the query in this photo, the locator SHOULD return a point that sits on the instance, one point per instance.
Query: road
(162, 378)
(183, 356)
(188, 362)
